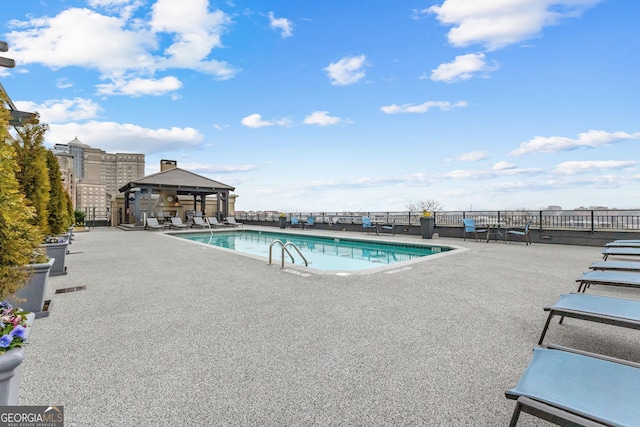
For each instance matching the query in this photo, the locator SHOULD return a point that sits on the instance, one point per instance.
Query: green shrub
(19, 237)
(79, 216)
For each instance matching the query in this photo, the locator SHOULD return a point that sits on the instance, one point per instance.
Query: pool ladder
(284, 249)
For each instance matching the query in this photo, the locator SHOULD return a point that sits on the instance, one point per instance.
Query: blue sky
(343, 106)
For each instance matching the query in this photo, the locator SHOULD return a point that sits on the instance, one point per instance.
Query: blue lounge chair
(391, 228)
(607, 252)
(368, 226)
(623, 244)
(609, 278)
(295, 222)
(616, 266)
(470, 227)
(595, 308)
(575, 388)
(310, 221)
(524, 233)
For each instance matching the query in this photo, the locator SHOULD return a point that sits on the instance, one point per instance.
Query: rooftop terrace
(169, 332)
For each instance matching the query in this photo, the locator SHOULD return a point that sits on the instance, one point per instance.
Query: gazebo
(169, 185)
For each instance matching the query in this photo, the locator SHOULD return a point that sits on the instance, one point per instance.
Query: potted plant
(19, 239)
(15, 326)
(56, 248)
(283, 220)
(427, 225)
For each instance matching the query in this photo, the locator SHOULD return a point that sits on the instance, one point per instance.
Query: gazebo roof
(179, 180)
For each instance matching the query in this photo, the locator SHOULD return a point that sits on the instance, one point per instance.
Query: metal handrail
(284, 249)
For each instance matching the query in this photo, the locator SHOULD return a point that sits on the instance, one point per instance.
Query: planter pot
(283, 222)
(35, 290)
(57, 251)
(426, 227)
(11, 372)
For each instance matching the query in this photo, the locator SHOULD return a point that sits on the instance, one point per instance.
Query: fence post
(592, 223)
(540, 214)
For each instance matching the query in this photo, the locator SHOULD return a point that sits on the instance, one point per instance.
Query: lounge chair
(524, 233)
(176, 222)
(616, 266)
(368, 226)
(295, 222)
(607, 252)
(470, 227)
(391, 228)
(232, 222)
(213, 222)
(595, 308)
(576, 388)
(623, 244)
(310, 222)
(199, 222)
(153, 224)
(609, 278)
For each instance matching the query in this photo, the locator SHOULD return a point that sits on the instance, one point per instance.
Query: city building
(94, 176)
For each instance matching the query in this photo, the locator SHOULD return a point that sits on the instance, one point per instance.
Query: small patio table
(495, 229)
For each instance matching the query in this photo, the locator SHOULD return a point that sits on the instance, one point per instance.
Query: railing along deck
(589, 220)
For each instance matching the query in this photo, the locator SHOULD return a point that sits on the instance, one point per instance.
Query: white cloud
(472, 156)
(321, 118)
(139, 86)
(62, 110)
(108, 3)
(255, 121)
(195, 31)
(209, 168)
(81, 37)
(589, 139)
(575, 167)
(502, 166)
(64, 83)
(124, 8)
(284, 25)
(499, 23)
(422, 108)
(346, 71)
(126, 138)
(463, 67)
(121, 47)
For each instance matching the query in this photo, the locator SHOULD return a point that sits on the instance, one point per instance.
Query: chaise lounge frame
(626, 279)
(594, 308)
(555, 388)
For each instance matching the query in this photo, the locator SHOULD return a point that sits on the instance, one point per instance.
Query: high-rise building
(99, 175)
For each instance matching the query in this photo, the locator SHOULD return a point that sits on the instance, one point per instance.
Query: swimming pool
(321, 252)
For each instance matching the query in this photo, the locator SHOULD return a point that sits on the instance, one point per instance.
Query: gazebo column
(225, 203)
(126, 208)
(149, 207)
(136, 205)
(203, 203)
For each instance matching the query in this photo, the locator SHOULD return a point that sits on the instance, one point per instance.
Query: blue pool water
(322, 253)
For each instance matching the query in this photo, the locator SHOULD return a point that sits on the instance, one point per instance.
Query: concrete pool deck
(169, 332)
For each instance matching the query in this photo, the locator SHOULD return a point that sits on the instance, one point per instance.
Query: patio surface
(169, 333)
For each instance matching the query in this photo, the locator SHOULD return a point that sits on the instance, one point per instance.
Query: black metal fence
(589, 220)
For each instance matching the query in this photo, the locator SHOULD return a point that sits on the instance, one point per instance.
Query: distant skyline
(347, 106)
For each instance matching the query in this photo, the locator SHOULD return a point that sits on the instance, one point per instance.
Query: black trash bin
(283, 222)
(426, 227)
